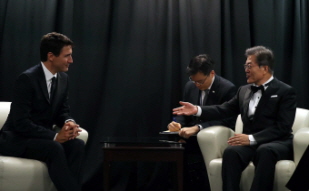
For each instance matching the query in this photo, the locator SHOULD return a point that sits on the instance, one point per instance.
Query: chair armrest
(213, 141)
(300, 143)
(83, 135)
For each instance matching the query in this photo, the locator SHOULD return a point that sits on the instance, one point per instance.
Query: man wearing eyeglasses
(267, 107)
(203, 88)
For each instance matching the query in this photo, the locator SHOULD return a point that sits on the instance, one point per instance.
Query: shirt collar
(266, 83)
(213, 79)
(48, 74)
(269, 80)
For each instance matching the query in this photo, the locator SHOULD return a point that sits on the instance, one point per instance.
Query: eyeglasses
(201, 82)
(247, 66)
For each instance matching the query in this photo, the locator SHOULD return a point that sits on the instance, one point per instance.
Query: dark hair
(201, 63)
(264, 56)
(53, 42)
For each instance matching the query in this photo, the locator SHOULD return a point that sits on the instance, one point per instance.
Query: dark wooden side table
(143, 149)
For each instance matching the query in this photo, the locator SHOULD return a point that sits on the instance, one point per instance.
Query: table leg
(180, 173)
(106, 173)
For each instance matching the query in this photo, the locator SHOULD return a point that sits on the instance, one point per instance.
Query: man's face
(62, 62)
(254, 72)
(202, 81)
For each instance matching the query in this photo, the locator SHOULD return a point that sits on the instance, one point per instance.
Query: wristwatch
(200, 126)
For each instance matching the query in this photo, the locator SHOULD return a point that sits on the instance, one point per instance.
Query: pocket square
(273, 96)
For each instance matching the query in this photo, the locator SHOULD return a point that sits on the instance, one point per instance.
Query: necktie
(204, 95)
(254, 89)
(52, 89)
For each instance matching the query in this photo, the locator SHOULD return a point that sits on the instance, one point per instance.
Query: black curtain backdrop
(130, 58)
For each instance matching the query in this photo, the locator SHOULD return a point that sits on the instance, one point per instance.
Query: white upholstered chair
(19, 174)
(213, 141)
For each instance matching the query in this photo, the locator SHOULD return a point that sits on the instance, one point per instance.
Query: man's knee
(229, 151)
(264, 149)
(76, 143)
(54, 147)
(265, 153)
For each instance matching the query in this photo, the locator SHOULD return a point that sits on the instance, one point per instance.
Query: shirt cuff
(199, 111)
(68, 120)
(252, 140)
(200, 126)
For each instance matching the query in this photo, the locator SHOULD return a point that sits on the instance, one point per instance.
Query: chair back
(4, 112)
(301, 120)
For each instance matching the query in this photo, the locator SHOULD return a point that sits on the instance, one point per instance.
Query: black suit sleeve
(227, 109)
(228, 93)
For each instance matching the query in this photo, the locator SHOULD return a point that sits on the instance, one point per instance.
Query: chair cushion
(24, 174)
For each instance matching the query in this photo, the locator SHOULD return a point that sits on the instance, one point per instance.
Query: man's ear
(266, 69)
(50, 56)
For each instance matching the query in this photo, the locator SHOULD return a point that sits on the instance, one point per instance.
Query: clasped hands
(69, 131)
(190, 109)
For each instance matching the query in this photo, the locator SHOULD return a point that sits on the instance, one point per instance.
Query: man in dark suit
(204, 88)
(40, 100)
(267, 107)
(299, 180)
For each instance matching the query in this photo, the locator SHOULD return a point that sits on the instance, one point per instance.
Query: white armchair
(213, 141)
(18, 174)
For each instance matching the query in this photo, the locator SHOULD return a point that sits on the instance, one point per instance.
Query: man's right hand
(186, 109)
(65, 134)
(174, 126)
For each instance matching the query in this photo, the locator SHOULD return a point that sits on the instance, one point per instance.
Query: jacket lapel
(42, 82)
(246, 98)
(272, 89)
(212, 91)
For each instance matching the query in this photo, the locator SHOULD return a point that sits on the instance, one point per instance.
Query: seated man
(267, 107)
(40, 100)
(204, 88)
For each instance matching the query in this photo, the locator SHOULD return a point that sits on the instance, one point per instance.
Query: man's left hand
(239, 140)
(187, 132)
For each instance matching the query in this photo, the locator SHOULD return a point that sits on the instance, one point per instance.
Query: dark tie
(203, 98)
(254, 89)
(52, 88)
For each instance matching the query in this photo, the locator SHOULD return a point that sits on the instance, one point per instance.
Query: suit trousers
(299, 180)
(63, 160)
(264, 158)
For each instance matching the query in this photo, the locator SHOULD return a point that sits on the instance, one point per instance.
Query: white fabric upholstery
(19, 174)
(213, 141)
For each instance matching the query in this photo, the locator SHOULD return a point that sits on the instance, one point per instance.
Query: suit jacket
(221, 91)
(32, 116)
(274, 115)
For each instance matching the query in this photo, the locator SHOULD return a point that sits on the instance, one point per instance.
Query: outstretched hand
(186, 109)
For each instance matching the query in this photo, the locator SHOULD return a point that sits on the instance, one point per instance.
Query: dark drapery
(130, 56)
